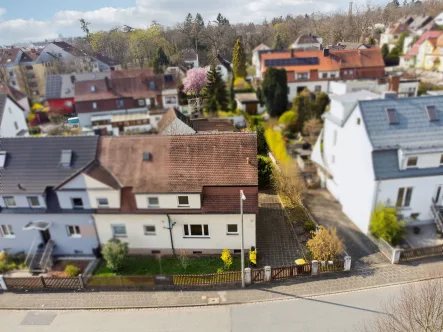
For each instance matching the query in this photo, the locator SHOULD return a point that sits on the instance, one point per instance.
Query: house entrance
(46, 236)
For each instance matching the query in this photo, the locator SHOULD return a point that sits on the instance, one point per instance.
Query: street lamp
(242, 198)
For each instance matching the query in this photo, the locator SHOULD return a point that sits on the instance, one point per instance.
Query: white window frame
(94, 105)
(403, 199)
(178, 201)
(152, 206)
(76, 231)
(231, 233)
(351, 72)
(102, 205)
(141, 102)
(149, 232)
(188, 227)
(5, 198)
(28, 198)
(77, 207)
(119, 235)
(9, 234)
(412, 166)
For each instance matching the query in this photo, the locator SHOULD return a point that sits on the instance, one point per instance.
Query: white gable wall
(178, 127)
(13, 120)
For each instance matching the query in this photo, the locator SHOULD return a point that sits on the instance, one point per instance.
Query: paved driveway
(328, 212)
(277, 242)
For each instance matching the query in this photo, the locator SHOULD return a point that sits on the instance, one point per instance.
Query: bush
(72, 270)
(262, 146)
(385, 224)
(255, 120)
(114, 252)
(288, 118)
(309, 226)
(265, 171)
(325, 245)
(226, 258)
(277, 145)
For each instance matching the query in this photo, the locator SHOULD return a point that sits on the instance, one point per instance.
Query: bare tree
(419, 308)
(183, 258)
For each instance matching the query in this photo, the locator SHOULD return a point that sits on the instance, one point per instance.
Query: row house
(426, 53)
(315, 69)
(383, 150)
(111, 103)
(157, 193)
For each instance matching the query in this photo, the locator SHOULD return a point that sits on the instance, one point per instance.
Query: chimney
(389, 95)
(394, 83)
(108, 84)
(326, 51)
(72, 79)
(292, 52)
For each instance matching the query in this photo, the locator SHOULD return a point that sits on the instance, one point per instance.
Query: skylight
(432, 113)
(2, 159)
(92, 88)
(392, 116)
(65, 159)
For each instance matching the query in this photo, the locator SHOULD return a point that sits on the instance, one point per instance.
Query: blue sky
(33, 20)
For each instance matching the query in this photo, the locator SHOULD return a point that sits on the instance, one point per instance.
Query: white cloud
(167, 12)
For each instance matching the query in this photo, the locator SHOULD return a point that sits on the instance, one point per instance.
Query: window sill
(74, 236)
(9, 236)
(103, 207)
(150, 234)
(153, 207)
(196, 237)
(232, 233)
(116, 236)
(183, 206)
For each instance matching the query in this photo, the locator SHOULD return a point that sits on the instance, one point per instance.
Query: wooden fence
(206, 279)
(43, 283)
(291, 271)
(336, 266)
(415, 253)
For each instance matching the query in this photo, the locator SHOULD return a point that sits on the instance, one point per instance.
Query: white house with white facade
(12, 118)
(386, 150)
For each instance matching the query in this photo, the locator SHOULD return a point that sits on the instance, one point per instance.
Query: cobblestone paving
(277, 243)
(376, 276)
(328, 212)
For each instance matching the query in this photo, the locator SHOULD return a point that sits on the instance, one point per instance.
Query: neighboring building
(402, 86)
(175, 122)
(256, 56)
(349, 46)
(12, 118)
(190, 58)
(424, 52)
(386, 151)
(307, 42)
(42, 207)
(315, 69)
(438, 20)
(249, 103)
(60, 89)
(179, 192)
(20, 97)
(97, 101)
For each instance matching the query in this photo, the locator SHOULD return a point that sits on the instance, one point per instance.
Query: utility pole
(242, 198)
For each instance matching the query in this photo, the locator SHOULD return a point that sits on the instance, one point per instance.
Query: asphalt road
(341, 312)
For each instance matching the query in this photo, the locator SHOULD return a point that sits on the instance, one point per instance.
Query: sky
(31, 20)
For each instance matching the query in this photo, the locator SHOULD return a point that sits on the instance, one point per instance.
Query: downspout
(374, 199)
(170, 227)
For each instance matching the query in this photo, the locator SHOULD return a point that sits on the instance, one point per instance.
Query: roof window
(92, 88)
(2, 159)
(147, 156)
(392, 116)
(431, 112)
(65, 158)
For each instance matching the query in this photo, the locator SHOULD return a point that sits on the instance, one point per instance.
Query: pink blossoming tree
(195, 81)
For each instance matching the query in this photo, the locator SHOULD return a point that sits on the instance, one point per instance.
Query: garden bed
(169, 265)
(59, 266)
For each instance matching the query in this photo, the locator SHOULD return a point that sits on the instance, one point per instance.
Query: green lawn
(146, 265)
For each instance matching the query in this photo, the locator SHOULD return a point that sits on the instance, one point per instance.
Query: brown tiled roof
(70, 49)
(12, 92)
(135, 72)
(306, 39)
(101, 174)
(181, 164)
(213, 125)
(170, 116)
(8, 55)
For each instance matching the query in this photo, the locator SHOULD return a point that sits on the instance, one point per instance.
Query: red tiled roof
(8, 55)
(212, 125)
(12, 92)
(414, 49)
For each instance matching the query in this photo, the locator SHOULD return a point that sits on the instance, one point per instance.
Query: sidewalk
(378, 276)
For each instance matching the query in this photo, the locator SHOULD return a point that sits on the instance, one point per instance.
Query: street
(340, 312)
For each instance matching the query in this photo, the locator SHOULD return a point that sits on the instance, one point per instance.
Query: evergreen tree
(215, 94)
(199, 21)
(233, 102)
(395, 3)
(275, 91)
(278, 42)
(239, 60)
(221, 20)
(259, 94)
(160, 61)
(188, 23)
(401, 42)
(385, 51)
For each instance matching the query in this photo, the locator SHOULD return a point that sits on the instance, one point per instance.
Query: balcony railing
(438, 217)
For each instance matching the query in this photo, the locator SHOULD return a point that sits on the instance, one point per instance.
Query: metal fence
(43, 283)
(408, 254)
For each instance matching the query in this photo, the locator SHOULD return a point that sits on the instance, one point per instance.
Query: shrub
(262, 146)
(255, 120)
(3, 257)
(265, 171)
(114, 252)
(277, 145)
(309, 226)
(226, 258)
(183, 258)
(325, 245)
(72, 270)
(288, 118)
(291, 188)
(385, 224)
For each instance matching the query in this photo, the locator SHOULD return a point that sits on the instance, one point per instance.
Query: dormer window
(412, 162)
(183, 201)
(391, 113)
(9, 201)
(441, 159)
(2, 159)
(65, 159)
(431, 112)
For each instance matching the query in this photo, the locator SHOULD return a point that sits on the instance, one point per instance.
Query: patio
(426, 238)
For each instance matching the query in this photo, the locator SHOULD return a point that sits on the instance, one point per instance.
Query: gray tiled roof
(34, 162)
(3, 99)
(413, 130)
(385, 164)
(53, 86)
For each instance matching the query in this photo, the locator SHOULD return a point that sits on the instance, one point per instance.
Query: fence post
(82, 282)
(314, 268)
(248, 277)
(347, 263)
(396, 256)
(43, 281)
(3, 283)
(267, 273)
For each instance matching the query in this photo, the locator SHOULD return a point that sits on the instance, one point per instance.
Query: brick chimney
(394, 83)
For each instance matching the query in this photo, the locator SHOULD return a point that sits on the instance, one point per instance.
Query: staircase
(42, 258)
(437, 211)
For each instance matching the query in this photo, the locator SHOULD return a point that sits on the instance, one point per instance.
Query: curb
(193, 305)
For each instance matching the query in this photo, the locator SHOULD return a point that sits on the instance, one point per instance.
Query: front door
(46, 236)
